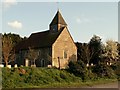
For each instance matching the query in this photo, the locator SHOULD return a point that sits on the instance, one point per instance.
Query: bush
(102, 70)
(79, 69)
(116, 68)
(91, 75)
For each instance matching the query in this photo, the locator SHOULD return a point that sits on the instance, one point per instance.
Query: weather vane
(57, 5)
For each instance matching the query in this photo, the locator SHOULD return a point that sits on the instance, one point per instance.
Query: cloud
(78, 20)
(9, 3)
(15, 24)
(82, 20)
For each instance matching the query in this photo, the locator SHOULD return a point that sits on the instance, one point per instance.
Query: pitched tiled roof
(38, 40)
(58, 19)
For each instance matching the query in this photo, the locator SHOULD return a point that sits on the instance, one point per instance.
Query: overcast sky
(84, 19)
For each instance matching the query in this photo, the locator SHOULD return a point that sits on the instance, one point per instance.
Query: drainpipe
(59, 62)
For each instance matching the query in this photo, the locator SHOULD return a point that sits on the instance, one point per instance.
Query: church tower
(57, 23)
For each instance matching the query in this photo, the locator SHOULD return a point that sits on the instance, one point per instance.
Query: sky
(84, 19)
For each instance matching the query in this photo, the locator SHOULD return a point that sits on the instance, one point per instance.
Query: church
(56, 46)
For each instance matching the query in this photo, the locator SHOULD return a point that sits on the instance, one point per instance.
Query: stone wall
(63, 50)
(43, 59)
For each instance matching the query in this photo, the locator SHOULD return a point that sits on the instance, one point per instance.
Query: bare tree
(7, 47)
(32, 55)
(12, 55)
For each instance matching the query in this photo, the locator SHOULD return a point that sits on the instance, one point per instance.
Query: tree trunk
(34, 62)
(6, 63)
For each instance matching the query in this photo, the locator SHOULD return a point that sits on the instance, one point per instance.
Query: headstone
(91, 64)
(9, 66)
(110, 63)
(26, 62)
(1, 65)
(49, 66)
(33, 65)
(87, 65)
(21, 65)
(15, 65)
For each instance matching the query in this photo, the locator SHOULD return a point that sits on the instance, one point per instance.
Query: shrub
(103, 70)
(91, 75)
(116, 68)
(79, 69)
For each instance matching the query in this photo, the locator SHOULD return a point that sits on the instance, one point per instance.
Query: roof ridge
(40, 32)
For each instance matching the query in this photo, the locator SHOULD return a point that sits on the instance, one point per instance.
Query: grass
(82, 84)
(27, 77)
(72, 84)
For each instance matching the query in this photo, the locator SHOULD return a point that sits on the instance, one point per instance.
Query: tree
(14, 37)
(83, 52)
(103, 70)
(96, 47)
(111, 51)
(79, 69)
(7, 48)
(32, 55)
(118, 45)
(90, 52)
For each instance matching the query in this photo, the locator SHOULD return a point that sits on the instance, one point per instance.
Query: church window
(42, 62)
(65, 54)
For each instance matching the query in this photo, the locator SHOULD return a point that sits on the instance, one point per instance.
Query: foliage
(116, 68)
(98, 53)
(118, 45)
(16, 38)
(79, 69)
(44, 77)
(83, 52)
(103, 70)
(111, 51)
(9, 41)
(96, 47)
(90, 52)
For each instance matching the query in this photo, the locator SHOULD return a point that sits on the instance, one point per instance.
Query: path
(109, 85)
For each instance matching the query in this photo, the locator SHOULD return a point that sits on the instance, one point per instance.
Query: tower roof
(58, 19)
